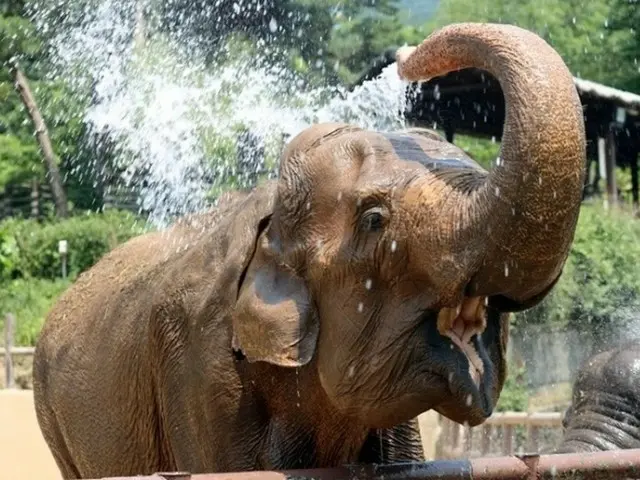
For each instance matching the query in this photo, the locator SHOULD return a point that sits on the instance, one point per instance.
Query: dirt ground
(23, 452)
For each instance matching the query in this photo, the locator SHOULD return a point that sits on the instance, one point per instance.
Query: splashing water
(177, 122)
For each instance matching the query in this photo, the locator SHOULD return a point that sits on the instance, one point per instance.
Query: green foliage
(30, 300)
(355, 42)
(514, 396)
(600, 275)
(582, 31)
(29, 249)
(482, 150)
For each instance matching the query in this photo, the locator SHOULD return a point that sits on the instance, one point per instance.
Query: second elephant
(605, 409)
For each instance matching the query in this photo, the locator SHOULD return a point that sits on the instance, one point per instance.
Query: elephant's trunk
(527, 208)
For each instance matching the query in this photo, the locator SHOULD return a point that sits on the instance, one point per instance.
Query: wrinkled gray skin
(605, 410)
(307, 323)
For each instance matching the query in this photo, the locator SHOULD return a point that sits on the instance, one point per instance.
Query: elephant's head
(389, 257)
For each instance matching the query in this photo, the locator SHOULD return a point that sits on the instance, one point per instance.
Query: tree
(625, 27)
(20, 160)
(53, 174)
(578, 29)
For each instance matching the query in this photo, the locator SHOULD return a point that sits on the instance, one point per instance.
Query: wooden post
(612, 188)
(532, 438)
(507, 440)
(35, 207)
(53, 174)
(9, 324)
(634, 181)
(487, 430)
(449, 133)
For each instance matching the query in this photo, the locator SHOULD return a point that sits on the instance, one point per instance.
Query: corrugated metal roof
(626, 99)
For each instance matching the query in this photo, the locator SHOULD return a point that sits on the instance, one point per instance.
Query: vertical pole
(449, 133)
(612, 189)
(9, 324)
(63, 250)
(634, 181)
(602, 163)
(35, 210)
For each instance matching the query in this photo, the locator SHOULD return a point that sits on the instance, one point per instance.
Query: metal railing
(618, 465)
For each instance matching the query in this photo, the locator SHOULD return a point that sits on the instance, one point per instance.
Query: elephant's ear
(274, 319)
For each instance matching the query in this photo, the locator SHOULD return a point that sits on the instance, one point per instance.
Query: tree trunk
(53, 174)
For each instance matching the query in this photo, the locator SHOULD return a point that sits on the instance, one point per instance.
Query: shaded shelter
(471, 102)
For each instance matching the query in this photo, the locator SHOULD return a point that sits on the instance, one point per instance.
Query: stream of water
(177, 119)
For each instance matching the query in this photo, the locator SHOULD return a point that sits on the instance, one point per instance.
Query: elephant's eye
(372, 220)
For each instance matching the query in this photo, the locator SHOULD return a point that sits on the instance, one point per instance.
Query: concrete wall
(24, 455)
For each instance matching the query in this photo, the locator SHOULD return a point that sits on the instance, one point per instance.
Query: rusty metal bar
(618, 465)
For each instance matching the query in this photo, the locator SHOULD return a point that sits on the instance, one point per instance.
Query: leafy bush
(600, 279)
(30, 249)
(30, 300)
(514, 396)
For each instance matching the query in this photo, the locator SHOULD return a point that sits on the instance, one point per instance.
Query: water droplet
(351, 371)
(497, 191)
(506, 270)
(468, 400)
(308, 206)
(273, 25)
(360, 307)
(368, 283)
(394, 245)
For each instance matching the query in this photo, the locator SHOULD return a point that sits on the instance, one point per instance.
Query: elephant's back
(123, 284)
(93, 366)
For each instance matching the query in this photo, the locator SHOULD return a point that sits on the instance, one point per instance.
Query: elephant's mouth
(461, 324)
(461, 340)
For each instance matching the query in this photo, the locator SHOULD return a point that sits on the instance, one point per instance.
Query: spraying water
(180, 124)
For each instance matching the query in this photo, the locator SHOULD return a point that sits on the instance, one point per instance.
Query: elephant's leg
(208, 418)
(401, 443)
(57, 444)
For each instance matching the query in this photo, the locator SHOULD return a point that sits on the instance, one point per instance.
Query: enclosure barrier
(9, 350)
(457, 441)
(618, 465)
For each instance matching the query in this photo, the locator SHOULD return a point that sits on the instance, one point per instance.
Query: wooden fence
(9, 352)
(504, 433)
(35, 200)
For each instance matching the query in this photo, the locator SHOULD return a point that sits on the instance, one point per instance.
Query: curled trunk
(527, 208)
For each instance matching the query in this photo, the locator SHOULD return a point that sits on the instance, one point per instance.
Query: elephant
(308, 322)
(605, 409)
